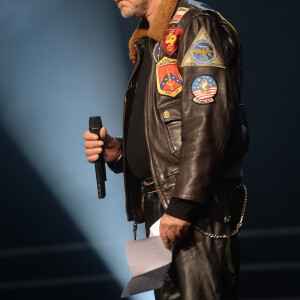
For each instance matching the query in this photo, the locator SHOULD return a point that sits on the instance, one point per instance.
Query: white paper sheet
(149, 261)
(154, 229)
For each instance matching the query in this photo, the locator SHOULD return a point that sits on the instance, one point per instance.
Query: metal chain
(238, 226)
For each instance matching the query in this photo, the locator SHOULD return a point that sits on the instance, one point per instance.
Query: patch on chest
(202, 52)
(181, 11)
(204, 89)
(169, 81)
(171, 39)
(156, 51)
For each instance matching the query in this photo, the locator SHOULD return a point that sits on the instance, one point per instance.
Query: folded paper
(149, 262)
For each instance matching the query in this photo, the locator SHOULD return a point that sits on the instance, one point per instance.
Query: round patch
(156, 52)
(203, 51)
(204, 88)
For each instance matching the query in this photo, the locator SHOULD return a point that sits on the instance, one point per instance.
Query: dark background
(45, 259)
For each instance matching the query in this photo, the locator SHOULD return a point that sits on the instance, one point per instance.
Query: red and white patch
(204, 89)
(181, 11)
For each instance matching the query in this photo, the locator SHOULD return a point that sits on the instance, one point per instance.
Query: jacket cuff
(117, 165)
(184, 209)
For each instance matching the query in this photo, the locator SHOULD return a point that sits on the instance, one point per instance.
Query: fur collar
(158, 27)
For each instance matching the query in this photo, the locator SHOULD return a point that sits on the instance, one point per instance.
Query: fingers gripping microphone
(95, 124)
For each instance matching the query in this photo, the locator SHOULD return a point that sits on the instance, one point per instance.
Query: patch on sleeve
(171, 39)
(169, 81)
(204, 88)
(181, 11)
(156, 52)
(202, 53)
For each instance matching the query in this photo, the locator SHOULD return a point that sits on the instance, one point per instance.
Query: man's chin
(125, 13)
(129, 13)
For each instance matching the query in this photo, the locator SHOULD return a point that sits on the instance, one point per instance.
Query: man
(184, 136)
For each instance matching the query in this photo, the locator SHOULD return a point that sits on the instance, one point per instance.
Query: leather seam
(169, 103)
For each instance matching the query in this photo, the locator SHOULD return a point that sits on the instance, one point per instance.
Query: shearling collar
(158, 27)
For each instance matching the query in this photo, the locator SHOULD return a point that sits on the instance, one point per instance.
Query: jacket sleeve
(184, 209)
(117, 165)
(205, 126)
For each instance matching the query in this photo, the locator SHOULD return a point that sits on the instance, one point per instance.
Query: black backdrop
(270, 240)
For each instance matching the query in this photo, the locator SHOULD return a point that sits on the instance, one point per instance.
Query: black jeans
(199, 270)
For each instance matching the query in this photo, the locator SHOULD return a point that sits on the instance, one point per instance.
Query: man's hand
(172, 230)
(110, 146)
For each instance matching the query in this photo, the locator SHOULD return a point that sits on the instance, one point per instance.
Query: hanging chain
(238, 226)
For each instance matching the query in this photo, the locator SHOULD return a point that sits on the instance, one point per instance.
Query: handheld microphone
(95, 124)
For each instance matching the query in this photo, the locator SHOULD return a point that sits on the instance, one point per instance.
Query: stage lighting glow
(62, 62)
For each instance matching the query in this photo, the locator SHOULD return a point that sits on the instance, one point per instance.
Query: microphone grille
(95, 122)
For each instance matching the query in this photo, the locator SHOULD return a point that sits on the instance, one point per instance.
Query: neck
(152, 10)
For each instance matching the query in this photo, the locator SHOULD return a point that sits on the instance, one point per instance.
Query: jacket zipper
(149, 153)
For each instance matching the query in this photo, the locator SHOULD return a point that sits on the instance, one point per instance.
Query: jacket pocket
(170, 115)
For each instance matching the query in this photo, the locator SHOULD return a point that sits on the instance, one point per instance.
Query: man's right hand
(110, 145)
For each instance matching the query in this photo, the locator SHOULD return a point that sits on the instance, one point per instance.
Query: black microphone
(95, 124)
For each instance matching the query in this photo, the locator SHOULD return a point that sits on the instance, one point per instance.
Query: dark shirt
(136, 148)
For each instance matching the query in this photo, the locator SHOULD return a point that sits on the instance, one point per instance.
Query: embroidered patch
(181, 11)
(202, 53)
(204, 88)
(171, 39)
(156, 52)
(169, 81)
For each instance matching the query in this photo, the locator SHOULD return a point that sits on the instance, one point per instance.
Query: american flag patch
(204, 89)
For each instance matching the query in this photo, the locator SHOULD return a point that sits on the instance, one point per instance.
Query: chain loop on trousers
(238, 226)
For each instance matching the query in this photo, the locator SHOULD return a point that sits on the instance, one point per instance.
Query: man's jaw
(124, 6)
(129, 10)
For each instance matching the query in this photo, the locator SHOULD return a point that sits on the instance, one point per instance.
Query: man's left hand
(172, 230)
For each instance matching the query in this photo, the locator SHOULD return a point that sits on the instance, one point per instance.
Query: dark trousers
(199, 270)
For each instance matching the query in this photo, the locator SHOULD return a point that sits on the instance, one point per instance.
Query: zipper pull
(134, 230)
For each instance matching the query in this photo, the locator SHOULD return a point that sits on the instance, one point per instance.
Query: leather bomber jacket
(192, 147)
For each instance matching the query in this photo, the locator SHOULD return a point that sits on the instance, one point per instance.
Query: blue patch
(202, 53)
(156, 51)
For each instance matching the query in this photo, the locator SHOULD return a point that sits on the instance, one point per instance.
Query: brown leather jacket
(193, 144)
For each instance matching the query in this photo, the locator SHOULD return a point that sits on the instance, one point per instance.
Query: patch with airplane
(169, 81)
(171, 39)
(202, 53)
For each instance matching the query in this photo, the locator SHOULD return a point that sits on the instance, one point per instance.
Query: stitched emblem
(171, 39)
(202, 53)
(181, 11)
(169, 81)
(204, 88)
(156, 52)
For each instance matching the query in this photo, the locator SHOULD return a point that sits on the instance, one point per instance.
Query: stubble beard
(137, 11)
